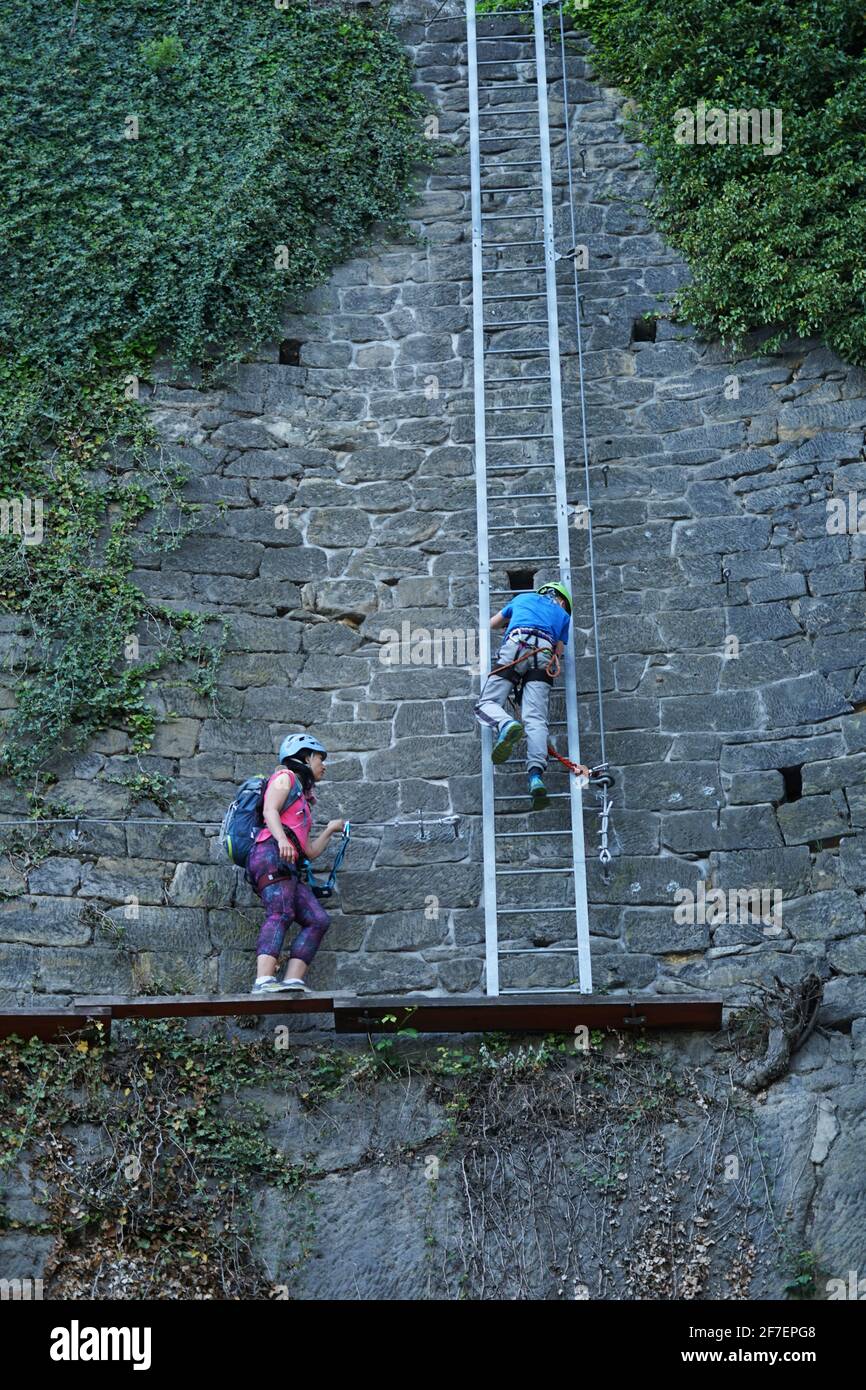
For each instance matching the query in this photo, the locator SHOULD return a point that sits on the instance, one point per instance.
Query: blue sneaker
(511, 734)
(538, 792)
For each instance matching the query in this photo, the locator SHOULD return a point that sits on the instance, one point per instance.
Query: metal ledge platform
(524, 1013)
(206, 1005)
(53, 1025)
(510, 1013)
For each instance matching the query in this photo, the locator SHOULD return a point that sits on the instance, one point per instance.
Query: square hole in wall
(643, 330)
(290, 352)
(521, 579)
(793, 779)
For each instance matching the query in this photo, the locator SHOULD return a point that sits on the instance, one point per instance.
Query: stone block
(87, 970)
(848, 955)
(409, 889)
(671, 787)
(202, 885)
(119, 879)
(43, 921)
(787, 870)
(407, 931)
(338, 526)
(751, 787)
(384, 973)
(811, 818)
(56, 875)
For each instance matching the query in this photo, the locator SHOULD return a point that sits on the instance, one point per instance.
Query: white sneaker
(273, 986)
(297, 985)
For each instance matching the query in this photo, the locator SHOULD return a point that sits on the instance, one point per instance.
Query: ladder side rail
(491, 937)
(579, 867)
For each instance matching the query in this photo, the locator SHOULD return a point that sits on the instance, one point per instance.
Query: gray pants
(490, 708)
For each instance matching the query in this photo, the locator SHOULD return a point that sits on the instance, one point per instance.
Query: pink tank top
(298, 817)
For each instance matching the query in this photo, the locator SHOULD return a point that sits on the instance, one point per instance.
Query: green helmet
(556, 589)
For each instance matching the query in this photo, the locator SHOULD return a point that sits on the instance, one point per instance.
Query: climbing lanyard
(326, 889)
(321, 890)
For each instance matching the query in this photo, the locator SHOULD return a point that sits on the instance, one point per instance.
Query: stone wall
(627, 1174)
(334, 473)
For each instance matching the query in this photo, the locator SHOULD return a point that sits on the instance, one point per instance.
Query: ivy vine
(176, 174)
(773, 241)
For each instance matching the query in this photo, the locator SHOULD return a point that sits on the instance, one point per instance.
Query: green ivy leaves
(771, 241)
(152, 158)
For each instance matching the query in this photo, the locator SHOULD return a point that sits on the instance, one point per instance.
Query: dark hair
(302, 770)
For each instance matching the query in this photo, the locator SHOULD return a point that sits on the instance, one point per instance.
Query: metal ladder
(514, 262)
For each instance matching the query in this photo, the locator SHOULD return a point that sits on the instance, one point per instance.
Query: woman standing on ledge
(274, 865)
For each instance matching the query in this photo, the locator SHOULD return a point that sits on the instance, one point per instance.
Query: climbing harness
(548, 673)
(553, 668)
(304, 866)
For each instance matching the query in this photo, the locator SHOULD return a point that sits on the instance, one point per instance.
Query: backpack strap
(296, 787)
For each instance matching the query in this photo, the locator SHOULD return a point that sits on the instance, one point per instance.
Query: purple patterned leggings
(286, 901)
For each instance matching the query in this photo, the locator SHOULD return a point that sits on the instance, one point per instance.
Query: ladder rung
(506, 86)
(536, 911)
(510, 217)
(518, 873)
(504, 245)
(516, 467)
(526, 294)
(527, 834)
(509, 438)
(548, 526)
(521, 164)
(510, 135)
(516, 352)
(524, 496)
(530, 405)
(522, 559)
(524, 796)
(520, 271)
(537, 951)
(514, 323)
(513, 380)
(489, 192)
(508, 111)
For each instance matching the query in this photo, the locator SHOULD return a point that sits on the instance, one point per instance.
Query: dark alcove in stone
(644, 330)
(290, 352)
(521, 579)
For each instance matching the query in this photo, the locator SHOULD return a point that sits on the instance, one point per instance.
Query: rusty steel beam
(208, 1005)
(511, 1013)
(524, 1014)
(53, 1025)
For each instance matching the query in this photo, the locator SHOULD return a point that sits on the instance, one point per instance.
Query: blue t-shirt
(539, 611)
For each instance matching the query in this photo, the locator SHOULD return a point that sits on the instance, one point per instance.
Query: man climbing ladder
(535, 639)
